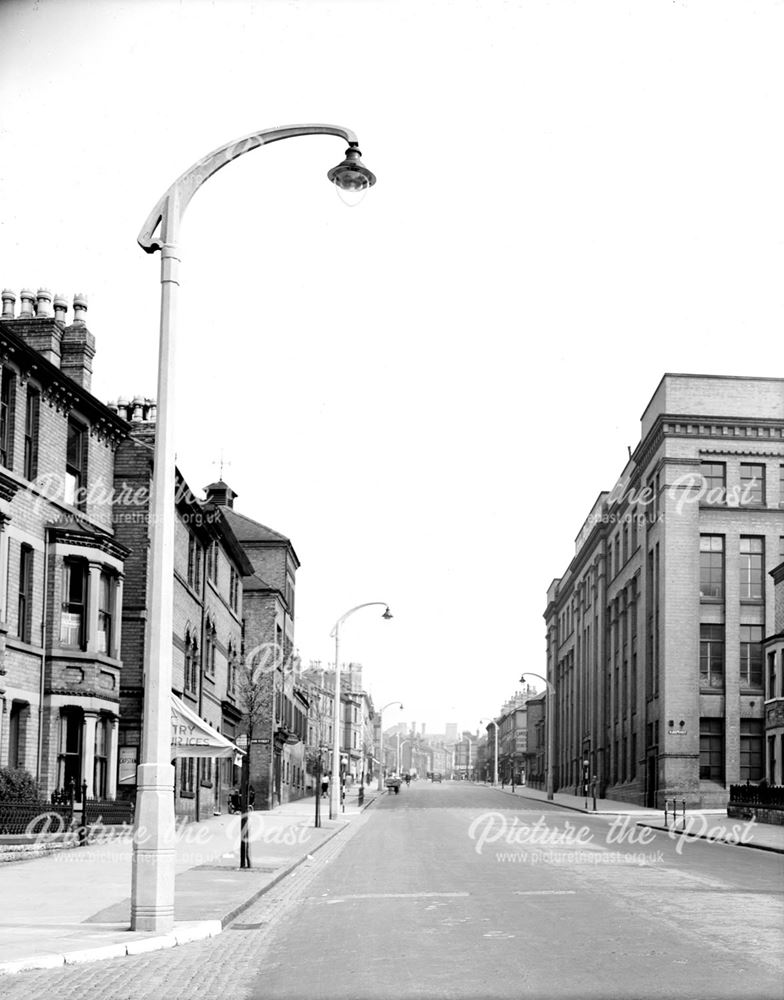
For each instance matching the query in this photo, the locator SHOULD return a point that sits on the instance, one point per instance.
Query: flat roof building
(655, 631)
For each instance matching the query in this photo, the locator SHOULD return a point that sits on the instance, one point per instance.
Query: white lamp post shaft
(152, 869)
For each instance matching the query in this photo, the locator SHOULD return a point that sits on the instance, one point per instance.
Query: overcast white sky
(425, 392)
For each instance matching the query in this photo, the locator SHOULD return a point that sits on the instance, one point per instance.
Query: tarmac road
(457, 890)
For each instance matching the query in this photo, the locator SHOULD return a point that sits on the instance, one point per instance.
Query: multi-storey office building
(61, 565)
(655, 631)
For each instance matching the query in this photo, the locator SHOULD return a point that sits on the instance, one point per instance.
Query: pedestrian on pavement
(324, 785)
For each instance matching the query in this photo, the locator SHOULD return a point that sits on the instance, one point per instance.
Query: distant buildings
(655, 630)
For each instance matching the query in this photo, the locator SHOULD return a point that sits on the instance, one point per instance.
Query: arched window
(191, 660)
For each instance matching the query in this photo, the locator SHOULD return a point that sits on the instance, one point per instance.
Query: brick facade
(61, 567)
(207, 615)
(655, 660)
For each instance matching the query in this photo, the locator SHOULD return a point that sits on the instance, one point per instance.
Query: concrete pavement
(74, 906)
(706, 824)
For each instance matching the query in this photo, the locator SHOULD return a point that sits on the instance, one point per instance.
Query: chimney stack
(35, 324)
(78, 346)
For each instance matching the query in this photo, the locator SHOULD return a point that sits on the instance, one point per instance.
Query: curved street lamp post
(153, 864)
(389, 704)
(400, 744)
(549, 722)
(336, 783)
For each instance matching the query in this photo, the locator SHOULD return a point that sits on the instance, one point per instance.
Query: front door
(70, 756)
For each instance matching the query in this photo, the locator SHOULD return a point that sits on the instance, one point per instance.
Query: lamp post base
(154, 854)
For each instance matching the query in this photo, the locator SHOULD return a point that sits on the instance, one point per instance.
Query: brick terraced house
(278, 765)
(61, 564)
(209, 567)
(655, 631)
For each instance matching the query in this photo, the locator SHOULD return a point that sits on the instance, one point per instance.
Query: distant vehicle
(437, 776)
(394, 783)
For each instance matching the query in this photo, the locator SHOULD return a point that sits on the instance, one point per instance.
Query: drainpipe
(43, 657)
(200, 768)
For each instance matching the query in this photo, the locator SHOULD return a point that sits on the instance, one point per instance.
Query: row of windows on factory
(753, 487)
(750, 562)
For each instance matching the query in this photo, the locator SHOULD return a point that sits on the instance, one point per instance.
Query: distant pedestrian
(324, 786)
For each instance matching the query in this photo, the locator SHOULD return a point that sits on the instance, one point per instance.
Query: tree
(255, 677)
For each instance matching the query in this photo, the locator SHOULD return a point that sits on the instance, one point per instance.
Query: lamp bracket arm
(168, 210)
(368, 604)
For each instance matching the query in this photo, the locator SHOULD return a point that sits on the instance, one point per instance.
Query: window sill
(187, 795)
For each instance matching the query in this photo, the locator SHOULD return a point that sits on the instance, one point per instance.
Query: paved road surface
(436, 893)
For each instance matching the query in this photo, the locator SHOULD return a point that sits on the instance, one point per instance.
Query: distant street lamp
(336, 782)
(153, 862)
(399, 748)
(549, 723)
(492, 722)
(389, 704)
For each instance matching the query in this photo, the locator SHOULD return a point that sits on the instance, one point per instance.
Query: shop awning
(192, 737)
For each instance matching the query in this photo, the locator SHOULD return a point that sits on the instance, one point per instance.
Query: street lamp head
(351, 177)
(388, 614)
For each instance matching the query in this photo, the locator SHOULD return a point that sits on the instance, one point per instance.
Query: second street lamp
(335, 783)
(389, 704)
(153, 860)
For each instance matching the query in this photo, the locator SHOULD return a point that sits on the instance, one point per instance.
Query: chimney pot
(60, 308)
(79, 307)
(9, 303)
(43, 302)
(27, 298)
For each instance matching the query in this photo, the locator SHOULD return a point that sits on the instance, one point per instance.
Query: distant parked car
(437, 776)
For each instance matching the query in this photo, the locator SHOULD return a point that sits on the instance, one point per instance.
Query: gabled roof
(248, 531)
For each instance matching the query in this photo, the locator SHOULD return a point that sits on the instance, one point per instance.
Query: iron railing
(757, 795)
(107, 812)
(35, 817)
